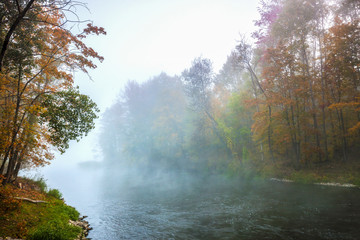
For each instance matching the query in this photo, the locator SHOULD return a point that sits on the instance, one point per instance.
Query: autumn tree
(342, 46)
(38, 56)
(198, 81)
(246, 60)
(308, 58)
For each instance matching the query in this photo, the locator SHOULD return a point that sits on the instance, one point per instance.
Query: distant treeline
(291, 98)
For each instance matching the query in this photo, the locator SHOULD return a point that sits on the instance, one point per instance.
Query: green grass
(54, 230)
(55, 193)
(334, 172)
(50, 221)
(37, 221)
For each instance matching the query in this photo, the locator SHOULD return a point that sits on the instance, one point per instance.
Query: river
(132, 205)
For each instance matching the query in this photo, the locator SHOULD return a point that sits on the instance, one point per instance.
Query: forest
(286, 97)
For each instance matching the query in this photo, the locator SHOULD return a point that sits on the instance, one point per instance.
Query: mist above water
(136, 203)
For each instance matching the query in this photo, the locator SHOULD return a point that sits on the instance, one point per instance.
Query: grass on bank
(327, 172)
(37, 221)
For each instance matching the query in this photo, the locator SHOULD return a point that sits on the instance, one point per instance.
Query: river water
(132, 205)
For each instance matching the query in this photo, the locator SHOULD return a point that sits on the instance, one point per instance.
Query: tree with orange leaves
(309, 53)
(37, 59)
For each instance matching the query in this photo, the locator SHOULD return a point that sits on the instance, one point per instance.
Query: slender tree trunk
(333, 131)
(258, 110)
(296, 137)
(12, 28)
(15, 130)
(313, 105)
(297, 128)
(269, 136)
(255, 79)
(323, 101)
(19, 160)
(291, 126)
(2, 167)
(217, 133)
(11, 166)
(17, 168)
(344, 140)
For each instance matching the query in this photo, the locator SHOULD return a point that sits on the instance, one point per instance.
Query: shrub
(55, 193)
(40, 182)
(54, 230)
(304, 177)
(71, 212)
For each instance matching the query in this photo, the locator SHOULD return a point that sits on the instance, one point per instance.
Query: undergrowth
(36, 221)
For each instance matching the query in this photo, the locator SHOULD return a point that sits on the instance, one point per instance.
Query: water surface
(131, 205)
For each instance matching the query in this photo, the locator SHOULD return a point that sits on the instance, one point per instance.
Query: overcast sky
(147, 37)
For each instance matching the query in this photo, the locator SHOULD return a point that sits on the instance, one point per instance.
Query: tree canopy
(291, 98)
(39, 106)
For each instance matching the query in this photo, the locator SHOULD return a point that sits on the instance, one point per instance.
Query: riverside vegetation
(31, 211)
(42, 45)
(285, 104)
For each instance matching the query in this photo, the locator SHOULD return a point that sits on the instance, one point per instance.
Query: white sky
(147, 37)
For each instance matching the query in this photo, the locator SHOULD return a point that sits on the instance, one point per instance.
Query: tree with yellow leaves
(38, 57)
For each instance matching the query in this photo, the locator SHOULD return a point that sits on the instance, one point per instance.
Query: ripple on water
(254, 211)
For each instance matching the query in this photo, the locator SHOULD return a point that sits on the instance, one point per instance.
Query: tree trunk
(323, 101)
(17, 168)
(217, 133)
(255, 79)
(9, 33)
(15, 130)
(344, 140)
(11, 167)
(313, 105)
(2, 167)
(269, 136)
(258, 110)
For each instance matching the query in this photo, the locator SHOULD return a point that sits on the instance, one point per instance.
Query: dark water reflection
(134, 206)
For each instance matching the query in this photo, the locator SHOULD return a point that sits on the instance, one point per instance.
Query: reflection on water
(175, 206)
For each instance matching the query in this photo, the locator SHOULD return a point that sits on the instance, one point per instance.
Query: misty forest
(291, 100)
(244, 152)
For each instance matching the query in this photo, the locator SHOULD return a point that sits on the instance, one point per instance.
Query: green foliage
(70, 115)
(54, 230)
(41, 221)
(147, 123)
(55, 193)
(50, 221)
(39, 56)
(198, 80)
(305, 177)
(290, 101)
(69, 211)
(40, 182)
(37, 181)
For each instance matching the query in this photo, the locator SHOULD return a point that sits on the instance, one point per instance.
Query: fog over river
(132, 204)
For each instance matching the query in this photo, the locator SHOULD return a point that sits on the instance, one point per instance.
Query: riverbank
(331, 173)
(28, 210)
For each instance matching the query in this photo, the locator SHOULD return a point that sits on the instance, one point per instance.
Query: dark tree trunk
(9, 33)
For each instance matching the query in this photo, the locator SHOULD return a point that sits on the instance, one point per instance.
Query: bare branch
(11, 31)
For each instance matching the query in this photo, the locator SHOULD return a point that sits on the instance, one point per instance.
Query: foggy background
(145, 38)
